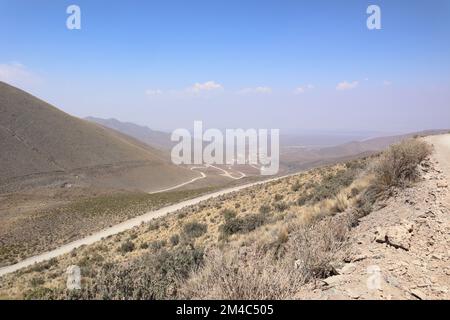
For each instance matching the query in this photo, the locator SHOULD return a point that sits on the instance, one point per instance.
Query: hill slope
(37, 138)
(157, 139)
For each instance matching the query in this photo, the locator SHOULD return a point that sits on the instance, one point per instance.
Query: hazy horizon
(299, 66)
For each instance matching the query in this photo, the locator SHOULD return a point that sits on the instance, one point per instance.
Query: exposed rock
(418, 294)
(347, 269)
(442, 184)
(396, 236)
(334, 280)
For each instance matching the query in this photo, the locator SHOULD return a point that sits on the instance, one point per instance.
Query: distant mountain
(298, 151)
(37, 139)
(157, 139)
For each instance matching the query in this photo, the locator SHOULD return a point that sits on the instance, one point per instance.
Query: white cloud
(257, 90)
(347, 85)
(387, 83)
(303, 89)
(206, 86)
(153, 92)
(17, 74)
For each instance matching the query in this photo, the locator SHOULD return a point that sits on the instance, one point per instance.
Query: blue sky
(306, 65)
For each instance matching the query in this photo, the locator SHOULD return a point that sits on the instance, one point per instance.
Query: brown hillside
(37, 138)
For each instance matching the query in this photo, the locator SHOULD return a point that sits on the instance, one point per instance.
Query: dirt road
(126, 225)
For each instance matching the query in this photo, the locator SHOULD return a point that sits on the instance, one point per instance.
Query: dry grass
(268, 254)
(231, 276)
(45, 230)
(398, 166)
(254, 274)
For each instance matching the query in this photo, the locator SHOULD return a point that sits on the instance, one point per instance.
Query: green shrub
(243, 225)
(158, 244)
(303, 199)
(331, 185)
(228, 214)
(37, 281)
(127, 246)
(296, 186)
(278, 197)
(281, 206)
(39, 293)
(265, 209)
(153, 276)
(175, 239)
(194, 229)
(144, 245)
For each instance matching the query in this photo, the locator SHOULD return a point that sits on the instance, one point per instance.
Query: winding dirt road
(126, 225)
(442, 154)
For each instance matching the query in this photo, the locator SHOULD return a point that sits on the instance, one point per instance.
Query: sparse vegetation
(228, 214)
(269, 254)
(194, 229)
(397, 166)
(281, 206)
(243, 224)
(265, 209)
(127, 246)
(153, 276)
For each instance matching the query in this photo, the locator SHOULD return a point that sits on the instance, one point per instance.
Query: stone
(442, 184)
(418, 294)
(347, 269)
(397, 236)
(354, 294)
(334, 280)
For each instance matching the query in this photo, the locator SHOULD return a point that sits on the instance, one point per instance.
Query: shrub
(296, 186)
(398, 165)
(153, 276)
(318, 246)
(243, 225)
(281, 206)
(175, 239)
(302, 200)
(144, 245)
(194, 229)
(39, 293)
(264, 209)
(278, 197)
(158, 244)
(127, 246)
(332, 184)
(36, 281)
(232, 277)
(228, 214)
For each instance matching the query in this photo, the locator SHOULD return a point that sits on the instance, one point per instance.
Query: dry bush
(243, 224)
(255, 276)
(194, 229)
(316, 247)
(398, 165)
(153, 276)
(310, 252)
